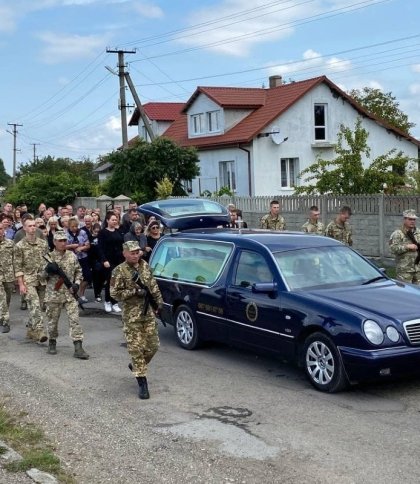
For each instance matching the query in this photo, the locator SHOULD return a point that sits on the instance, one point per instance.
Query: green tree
(384, 106)
(53, 190)
(346, 175)
(4, 177)
(54, 166)
(137, 169)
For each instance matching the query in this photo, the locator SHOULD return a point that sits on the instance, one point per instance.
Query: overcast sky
(53, 54)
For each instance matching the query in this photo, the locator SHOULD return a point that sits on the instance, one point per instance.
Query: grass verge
(31, 443)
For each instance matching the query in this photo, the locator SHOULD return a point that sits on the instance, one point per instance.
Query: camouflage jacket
(125, 290)
(7, 273)
(398, 242)
(311, 228)
(56, 289)
(339, 232)
(29, 262)
(272, 223)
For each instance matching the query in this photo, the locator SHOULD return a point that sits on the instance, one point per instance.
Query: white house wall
(209, 170)
(297, 124)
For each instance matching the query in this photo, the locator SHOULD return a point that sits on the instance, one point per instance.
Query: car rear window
(194, 261)
(183, 207)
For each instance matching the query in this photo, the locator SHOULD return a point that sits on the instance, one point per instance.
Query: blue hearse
(305, 298)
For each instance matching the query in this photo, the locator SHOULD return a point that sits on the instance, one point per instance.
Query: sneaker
(83, 299)
(108, 307)
(98, 299)
(116, 308)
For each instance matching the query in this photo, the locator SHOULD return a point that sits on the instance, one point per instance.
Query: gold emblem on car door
(251, 312)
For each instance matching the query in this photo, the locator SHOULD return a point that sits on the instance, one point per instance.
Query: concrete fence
(374, 217)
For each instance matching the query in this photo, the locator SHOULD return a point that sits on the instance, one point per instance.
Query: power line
(313, 18)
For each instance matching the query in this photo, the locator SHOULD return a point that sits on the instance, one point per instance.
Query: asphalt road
(216, 415)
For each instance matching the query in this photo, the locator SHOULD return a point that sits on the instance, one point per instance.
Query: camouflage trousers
(412, 277)
(142, 343)
(53, 315)
(6, 289)
(35, 296)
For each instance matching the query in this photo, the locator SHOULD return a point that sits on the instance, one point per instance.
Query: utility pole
(140, 107)
(122, 104)
(35, 145)
(14, 133)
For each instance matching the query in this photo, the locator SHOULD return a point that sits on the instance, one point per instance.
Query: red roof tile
(158, 111)
(268, 104)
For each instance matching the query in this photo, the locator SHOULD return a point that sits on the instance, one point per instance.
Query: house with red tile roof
(256, 141)
(160, 115)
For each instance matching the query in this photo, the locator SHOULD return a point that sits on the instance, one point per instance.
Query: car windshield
(186, 207)
(324, 267)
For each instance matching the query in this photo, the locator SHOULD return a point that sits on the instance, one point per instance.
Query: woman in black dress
(110, 243)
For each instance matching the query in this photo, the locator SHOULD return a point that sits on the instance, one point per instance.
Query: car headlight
(373, 332)
(392, 334)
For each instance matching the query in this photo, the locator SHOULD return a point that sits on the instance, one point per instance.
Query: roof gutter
(248, 152)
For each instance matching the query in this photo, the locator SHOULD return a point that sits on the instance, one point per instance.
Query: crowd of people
(53, 255)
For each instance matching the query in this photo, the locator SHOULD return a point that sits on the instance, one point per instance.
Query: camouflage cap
(131, 245)
(410, 213)
(60, 235)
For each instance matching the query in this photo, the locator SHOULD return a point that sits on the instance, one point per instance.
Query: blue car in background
(304, 298)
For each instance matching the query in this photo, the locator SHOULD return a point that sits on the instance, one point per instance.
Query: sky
(54, 52)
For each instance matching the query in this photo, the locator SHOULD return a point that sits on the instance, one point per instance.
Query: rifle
(64, 279)
(413, 240)
(148, 299)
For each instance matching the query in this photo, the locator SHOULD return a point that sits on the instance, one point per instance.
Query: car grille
(412, 329)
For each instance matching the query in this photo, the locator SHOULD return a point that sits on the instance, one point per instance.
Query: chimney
(275, 81)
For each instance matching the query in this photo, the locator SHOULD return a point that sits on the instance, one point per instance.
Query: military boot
(5, 328)
(79, 352)
(143, 388)
(52, 347)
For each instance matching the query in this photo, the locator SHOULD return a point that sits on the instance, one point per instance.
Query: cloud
(247, 24)
(64, 47)
(7, 19)
(414, 89)
(415, 68)
(149, 10)
(312, 64)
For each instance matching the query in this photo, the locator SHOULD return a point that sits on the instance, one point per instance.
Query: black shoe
(52, 347)
(23, 305)
(130, 366)
(143, 388)
(5, 328)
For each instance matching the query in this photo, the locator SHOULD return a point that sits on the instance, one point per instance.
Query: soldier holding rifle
(64, 277)
(404, 243)
(133, 284)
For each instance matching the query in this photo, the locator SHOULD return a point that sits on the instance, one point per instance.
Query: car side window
(252, 268)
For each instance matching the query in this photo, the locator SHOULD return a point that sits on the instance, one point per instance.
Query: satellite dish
(275, 135)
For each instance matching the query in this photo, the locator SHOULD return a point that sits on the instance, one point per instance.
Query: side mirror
(264, 287)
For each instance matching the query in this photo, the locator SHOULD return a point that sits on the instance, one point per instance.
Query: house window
(227, 174)
(289, 170)
(213, 121)
(187, 184)
(197, 123)
(320, 119)
(144, 132)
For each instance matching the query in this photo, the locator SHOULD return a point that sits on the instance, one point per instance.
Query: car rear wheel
(323, 364)
(186, 329)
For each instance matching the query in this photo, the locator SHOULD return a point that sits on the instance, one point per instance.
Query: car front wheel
(186, 329)
(323, 364)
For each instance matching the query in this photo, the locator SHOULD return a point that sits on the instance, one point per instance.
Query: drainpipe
(249, 169)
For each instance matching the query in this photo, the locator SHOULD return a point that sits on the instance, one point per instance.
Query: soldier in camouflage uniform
(339, 228)
(140, 330)
(29, 272)
(273, 220)
(313, 225)
(403, 244)
(59, 295)
(7, 278)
